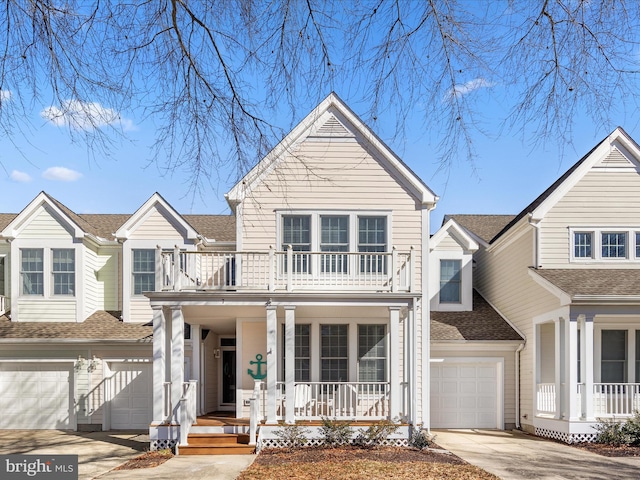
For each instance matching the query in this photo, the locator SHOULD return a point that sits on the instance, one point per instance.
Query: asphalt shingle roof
(484, 226)
(592, 281)
(483, 323)
(99, 326)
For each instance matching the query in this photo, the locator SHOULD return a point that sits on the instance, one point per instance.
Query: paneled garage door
(465, 395)
(36, 396)
(132, 396)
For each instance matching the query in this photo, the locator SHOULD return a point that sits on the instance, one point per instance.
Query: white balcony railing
(546, 396)
(276, 270)
(340, 400)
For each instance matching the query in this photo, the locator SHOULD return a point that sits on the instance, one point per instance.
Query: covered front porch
(280, 359)
(587, 368)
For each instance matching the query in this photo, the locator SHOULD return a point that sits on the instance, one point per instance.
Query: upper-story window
(450, 281)
(143, 270)
(334, 233)
(32, 271)
(605, 244)
(62, 271)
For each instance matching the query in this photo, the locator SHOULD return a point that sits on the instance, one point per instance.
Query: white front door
(131, 396)
(465, 395)
(36, 396)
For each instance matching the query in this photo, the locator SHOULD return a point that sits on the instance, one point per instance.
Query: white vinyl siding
(155, 225)
(44, 225)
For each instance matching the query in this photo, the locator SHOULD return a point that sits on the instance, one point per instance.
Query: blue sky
(508, 172)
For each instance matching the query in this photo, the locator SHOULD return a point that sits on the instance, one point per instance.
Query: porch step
(217, 444)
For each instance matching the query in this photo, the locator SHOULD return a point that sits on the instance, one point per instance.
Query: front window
(32, 271)
(582, 245)
(613, 367)
(2, 287)
(637, 244)
(450, 281)
(372, 239)
(144, 277)
(334, 237)
(372, 353)
(334, 353)
(614, 245)
(302, 353)
(296, 231)
(64, 271)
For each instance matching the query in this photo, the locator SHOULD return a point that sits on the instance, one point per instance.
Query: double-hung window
(32, 271)
(334, 237)
(296, 231)
(372, 240)
(372, 353)
(582, 245)
(450, 281)
(64, 271)
(143, 270)
(613, 365)
(334, 353)
(302, 353)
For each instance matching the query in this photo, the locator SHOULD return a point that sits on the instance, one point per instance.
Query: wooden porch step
(217, 444)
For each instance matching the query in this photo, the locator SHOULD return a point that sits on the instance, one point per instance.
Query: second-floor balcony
(289, 270)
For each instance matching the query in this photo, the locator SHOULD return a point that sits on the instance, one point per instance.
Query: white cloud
(21, 177)
(5, 95)
(468, 87)
(61, 174)
(85, 116)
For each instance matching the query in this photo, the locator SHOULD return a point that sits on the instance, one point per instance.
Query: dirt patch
(146, 460)
(610, 450)
(357, 463)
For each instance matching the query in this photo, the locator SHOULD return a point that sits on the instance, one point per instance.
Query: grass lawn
(352, 463)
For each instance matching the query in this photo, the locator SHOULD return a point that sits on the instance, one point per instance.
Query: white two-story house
(565, 272)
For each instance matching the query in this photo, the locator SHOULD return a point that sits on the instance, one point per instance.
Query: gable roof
(102, 226)
(482, 323)
(580, 283)
(332, 118)
(485, 227)
(451, 228)
(618, 139)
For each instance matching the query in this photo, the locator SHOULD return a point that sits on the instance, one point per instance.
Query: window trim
(41, 272)
(63, 272)
(459, 282)
(632, 245)
(133, 271)
(385, 358)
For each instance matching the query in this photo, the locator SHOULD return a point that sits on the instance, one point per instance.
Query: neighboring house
(75, 352)
(565, 272)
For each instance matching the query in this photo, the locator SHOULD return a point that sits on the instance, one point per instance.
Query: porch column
(272, 363)
(195, 364)
(558, 366)
(177, 357)
(159, 364)
(394, 363)
(587, 367)
(571, 369)
(289, 361)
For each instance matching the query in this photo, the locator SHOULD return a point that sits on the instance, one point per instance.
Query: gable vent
(333, 128)
(615, 159)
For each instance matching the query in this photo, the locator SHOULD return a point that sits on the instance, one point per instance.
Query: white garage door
(464, 395)
(36, 396)
(132, 396)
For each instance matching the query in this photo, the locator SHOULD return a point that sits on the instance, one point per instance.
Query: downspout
(517, 360)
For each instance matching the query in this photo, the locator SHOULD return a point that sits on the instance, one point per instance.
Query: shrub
(420, 439)
(292, 436)
(335, 433)
(632, 429)
(376, 434)
(611, 432)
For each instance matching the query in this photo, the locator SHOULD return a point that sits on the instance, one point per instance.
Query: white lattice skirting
(318, 442)
(163, 444)
(566, 437)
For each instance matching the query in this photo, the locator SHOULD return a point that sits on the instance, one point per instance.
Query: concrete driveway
(516, 455)
(98, 452)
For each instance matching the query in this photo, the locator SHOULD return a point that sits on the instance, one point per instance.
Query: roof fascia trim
(564, 297)
(459, 234)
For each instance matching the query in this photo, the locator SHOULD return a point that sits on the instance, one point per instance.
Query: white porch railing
(608, 399)
(277, 270)
(340, 400)
(615, 399)
(187, 410)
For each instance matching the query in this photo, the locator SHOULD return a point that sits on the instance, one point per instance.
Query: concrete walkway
(515, 455)
(100, 452)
